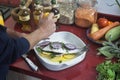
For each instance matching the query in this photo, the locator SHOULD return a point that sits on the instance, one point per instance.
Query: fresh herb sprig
(110, 49)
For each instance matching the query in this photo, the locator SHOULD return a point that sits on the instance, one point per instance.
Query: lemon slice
(69, 56)
(45, 54)
(56, 59)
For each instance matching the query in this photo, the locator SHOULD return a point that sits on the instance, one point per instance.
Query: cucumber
(113, 34)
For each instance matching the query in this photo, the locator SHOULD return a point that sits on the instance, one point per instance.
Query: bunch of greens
(108, 71)
(110, 49)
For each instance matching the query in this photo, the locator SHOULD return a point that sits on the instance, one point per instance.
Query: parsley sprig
(108, 70)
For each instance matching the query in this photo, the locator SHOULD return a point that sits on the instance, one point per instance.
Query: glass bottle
(46, 7)
(1, 19)
(85, 14)
(24, 17)
(54, 4)
(36, 14)
(46, 11)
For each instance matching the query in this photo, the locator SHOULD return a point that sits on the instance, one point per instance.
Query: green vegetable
(105, 51)
(38, 49)
(113, 34)
(108, 71)
(118, 76)
(110, 49)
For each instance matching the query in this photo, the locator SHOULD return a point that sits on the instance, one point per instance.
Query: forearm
(33, 37)
(14, 33)
(46, 28)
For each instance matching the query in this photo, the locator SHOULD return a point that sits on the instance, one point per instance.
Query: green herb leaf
(108, 70)
(110, 49)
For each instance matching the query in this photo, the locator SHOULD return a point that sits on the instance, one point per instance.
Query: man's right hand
(47, 25)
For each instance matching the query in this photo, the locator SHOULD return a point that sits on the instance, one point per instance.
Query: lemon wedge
(94, 28)
(69, 56)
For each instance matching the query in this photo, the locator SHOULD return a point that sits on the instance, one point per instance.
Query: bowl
(65, 37)
(98, 41)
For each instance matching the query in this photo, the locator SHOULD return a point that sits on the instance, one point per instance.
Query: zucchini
(113, 34)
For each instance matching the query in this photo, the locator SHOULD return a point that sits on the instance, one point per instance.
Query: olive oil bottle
(24, 17)
(37, 12)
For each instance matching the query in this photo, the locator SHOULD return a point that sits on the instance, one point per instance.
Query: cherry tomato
(102, 22)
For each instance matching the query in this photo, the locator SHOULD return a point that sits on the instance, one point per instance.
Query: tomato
(103, 22)
(110, 22)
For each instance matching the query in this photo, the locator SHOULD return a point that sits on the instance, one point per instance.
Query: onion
(45, 43)
(56, 45)
(70, 46)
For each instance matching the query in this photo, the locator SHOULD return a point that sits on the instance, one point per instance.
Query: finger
(41, 15)
(54, 25)
(55, 19)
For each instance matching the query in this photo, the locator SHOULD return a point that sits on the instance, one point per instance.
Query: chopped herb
(60, 61)
(38, 49)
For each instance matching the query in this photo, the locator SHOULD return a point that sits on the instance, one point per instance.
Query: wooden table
(85, 70)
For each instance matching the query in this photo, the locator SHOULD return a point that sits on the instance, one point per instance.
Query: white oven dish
(65, 37)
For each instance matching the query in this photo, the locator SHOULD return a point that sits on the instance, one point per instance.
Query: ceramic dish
(64, 37)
